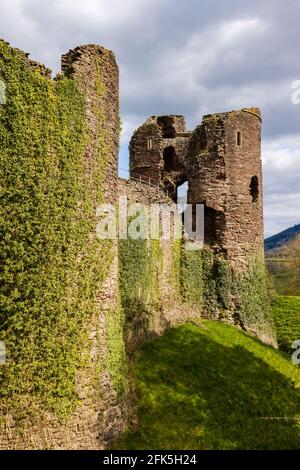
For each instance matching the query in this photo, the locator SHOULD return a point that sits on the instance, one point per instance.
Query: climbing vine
(205, 282)
(253, 302)
(116, 359)
(51, 266)
(175, 277)
(208, 284)
(140, 281)
(192, 278)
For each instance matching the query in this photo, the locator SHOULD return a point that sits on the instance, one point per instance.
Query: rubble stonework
(95, 68)
(221, 162)
(158, 151)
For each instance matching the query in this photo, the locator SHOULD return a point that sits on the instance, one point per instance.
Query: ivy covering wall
(205, 282)
(253, 299)
(140, 281)
(199, 280)
(51, 266)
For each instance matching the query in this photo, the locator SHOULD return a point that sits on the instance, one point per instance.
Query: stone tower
(221, 162)
(158, 151)
(97, 72)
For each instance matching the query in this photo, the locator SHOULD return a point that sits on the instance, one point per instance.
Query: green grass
(286, 313)
(214, 387)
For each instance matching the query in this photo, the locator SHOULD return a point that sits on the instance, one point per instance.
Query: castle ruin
(221, 163)
(59, 161)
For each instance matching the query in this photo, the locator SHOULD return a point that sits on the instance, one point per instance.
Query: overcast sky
(189, 57)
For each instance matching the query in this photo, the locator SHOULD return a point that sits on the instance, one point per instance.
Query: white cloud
(267, 93)
(281, 165)
(204, 50)
(129, 124)
(106, 13)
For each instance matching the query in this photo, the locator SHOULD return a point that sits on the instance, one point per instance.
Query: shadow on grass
(195, 393)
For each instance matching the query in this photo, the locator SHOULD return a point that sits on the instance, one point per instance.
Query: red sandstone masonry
(221, 161)
(97, 72)
(166, 133)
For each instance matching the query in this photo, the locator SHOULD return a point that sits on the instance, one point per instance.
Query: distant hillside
(276, 241)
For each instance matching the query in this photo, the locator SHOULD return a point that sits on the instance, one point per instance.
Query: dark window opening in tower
(239, 139)
(254, 188)
(167, 126)
(169, 158)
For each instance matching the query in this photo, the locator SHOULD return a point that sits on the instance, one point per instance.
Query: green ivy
(51, 266)
(205, 280)
(210, 299)
(140, 281)
(192, 278)
(175, 278)
(208, 284)
(116, 359)
(223, 284)
(253, 302)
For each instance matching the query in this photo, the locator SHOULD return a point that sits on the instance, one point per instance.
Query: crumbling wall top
(227, 114)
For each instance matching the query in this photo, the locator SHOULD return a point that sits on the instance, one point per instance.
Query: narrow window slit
(254, 188)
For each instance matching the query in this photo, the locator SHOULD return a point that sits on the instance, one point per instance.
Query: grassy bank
(214, 387)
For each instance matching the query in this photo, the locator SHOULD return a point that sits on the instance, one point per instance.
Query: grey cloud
(182, 57)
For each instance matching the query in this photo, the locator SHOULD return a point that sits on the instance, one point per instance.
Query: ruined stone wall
(224, 168)
(151, 311)
(207, 177)
(101, 414)
(158, 303)
(97, 72)
(145, 162)
(221, 161)
(244, 205)
(95, 68)
(158, 150)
